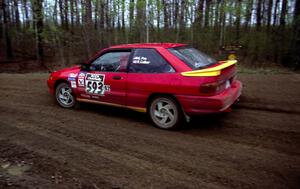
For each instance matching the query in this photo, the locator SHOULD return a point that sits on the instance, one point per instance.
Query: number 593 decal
(94, 83)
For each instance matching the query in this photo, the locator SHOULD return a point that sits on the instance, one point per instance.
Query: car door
(148, 73)
(106, 79)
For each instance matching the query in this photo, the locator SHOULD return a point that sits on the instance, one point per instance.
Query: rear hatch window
(192, 57)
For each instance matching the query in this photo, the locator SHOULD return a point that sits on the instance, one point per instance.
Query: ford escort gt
(171, 82)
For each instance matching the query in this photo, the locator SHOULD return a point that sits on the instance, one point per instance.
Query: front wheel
(64, 96)
(165, 113)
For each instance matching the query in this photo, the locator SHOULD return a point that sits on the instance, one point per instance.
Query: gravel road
(257, 145)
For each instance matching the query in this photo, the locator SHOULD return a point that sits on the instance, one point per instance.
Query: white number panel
(94, 84)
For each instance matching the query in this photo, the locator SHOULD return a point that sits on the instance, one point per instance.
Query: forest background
(67, 32)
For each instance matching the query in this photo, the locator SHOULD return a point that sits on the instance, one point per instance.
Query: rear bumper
(194, 105)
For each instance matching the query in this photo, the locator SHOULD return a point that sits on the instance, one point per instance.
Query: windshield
(192, 57)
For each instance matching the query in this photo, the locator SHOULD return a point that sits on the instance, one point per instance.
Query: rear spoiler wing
(214, 71)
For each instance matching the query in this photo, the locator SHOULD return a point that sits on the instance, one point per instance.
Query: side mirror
(85, 67)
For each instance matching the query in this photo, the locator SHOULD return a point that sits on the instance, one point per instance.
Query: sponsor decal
(81, 74)
(71, 78)
(107, 88)
(73, 84)
(73, 75)
(140, 60)
(94, 84)
(81, 82)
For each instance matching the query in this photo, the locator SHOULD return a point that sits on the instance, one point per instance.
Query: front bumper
(50, 84)
(194, 105)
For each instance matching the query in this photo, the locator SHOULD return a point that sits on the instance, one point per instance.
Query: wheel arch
(154, 95)
(59, 81)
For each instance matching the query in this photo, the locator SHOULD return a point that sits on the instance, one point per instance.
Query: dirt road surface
(257, 145)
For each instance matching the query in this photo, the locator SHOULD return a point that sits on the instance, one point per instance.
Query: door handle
(117, 77)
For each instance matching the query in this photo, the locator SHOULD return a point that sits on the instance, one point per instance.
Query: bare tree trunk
(66, 10)
(282, 37)
(1, 22)
(269, 14)
(166, 16)
(275, 13)
(141, 20)
(102, 15)
(248, 14)
(107, 16)
(181, 20)
(96, 15)
(258, 15)
(199, 15)
(39, 26)
(102, 23)
(77, 13)
(230, 20)
(113, 21)
(158, 5)
(207, 10)
(17, 16)
(131, 14)
(87, 26)
(176, 14)
(123, 15)
(72, 15)
(238, 20)
(61, 12)
(27, 22)
(283, 13)
(55, 12)
(296, 43)
(6, 29)
(223, 21)
(217, 11)
(296, 16)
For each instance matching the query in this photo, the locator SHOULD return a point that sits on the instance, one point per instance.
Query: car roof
(148, 45)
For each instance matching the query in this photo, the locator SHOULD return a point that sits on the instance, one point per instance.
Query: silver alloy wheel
(64, 95)
(164, 112)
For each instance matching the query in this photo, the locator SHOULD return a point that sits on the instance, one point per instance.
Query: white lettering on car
(140, 60)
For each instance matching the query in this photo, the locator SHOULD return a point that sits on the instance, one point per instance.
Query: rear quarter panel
(141, 86)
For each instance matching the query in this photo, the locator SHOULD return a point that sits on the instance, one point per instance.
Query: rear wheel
(64, 96)
(165, 112)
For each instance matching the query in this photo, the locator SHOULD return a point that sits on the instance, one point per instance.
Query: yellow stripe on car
(215, 71)
(138, 109)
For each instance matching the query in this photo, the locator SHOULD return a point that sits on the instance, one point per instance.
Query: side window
(149, 61)
(111, 62)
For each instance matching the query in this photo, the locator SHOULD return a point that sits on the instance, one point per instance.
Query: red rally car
(169, 81)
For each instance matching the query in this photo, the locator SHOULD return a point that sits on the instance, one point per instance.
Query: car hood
(67, 71)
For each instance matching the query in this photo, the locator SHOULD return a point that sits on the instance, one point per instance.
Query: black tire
(165, 112)
(64, 95)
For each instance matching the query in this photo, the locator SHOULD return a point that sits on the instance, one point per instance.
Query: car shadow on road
(206, 122)
(202, 123)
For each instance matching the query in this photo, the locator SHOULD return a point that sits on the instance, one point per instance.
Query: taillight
(214, 87)
(209, 88)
